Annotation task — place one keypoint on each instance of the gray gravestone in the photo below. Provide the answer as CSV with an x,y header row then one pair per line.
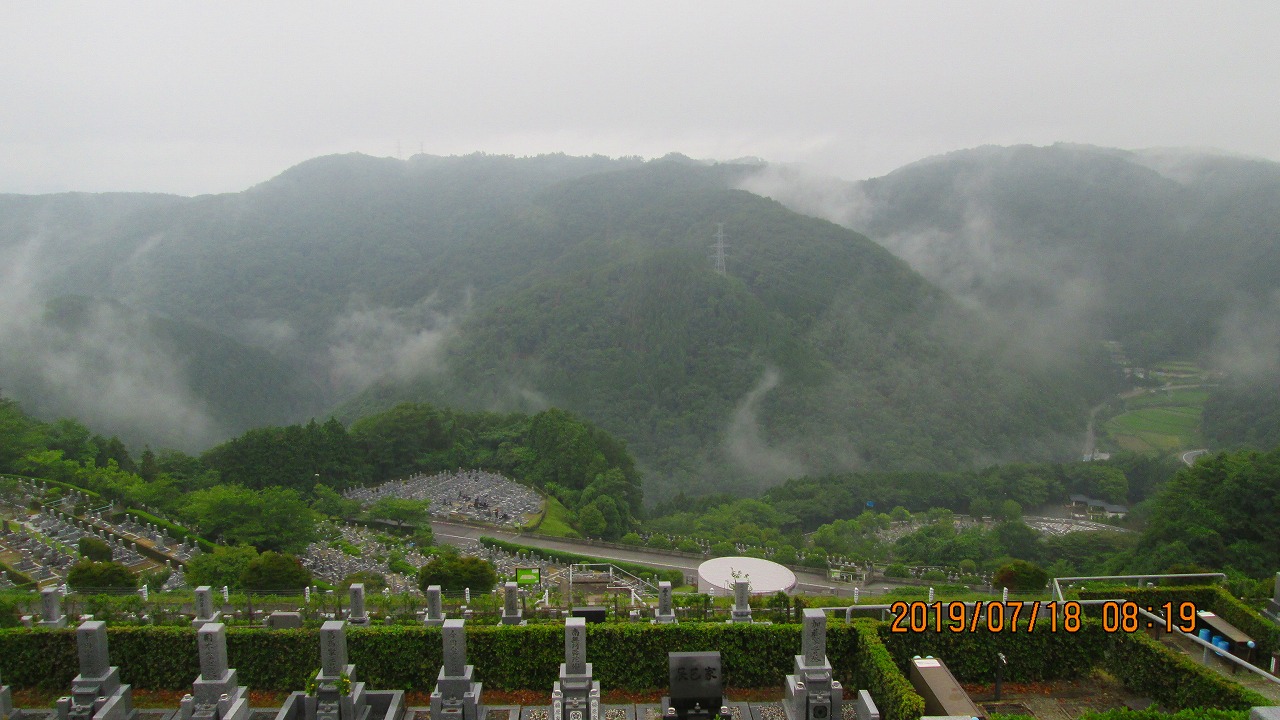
x,y
51,609
6,701
741,602
1272,610
511,612
280,620
357,615
205,613
664,613
333,648
212,641
435,610
456,695
218,694
575,645
866,708
696,684
575,696
455,647
814,640
811,693
91,641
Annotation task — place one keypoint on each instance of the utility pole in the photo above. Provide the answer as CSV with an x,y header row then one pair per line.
x,y
719,248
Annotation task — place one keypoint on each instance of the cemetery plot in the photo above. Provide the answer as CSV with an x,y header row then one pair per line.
x,y
473,494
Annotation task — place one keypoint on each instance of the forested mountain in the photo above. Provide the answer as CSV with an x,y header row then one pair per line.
x,y
583,283
1166,251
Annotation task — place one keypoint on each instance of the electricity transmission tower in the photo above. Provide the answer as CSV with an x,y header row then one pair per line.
x,y
719,248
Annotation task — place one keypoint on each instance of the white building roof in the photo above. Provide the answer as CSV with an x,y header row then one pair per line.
x,y
716,576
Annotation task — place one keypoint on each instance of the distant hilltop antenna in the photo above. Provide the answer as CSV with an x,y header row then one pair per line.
x,y
719,248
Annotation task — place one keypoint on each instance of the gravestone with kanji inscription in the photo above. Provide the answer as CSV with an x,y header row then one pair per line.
x,y
575,696
205,614
696,689
811,693
664,614
335,693
96,693
217,693
435,608
457,694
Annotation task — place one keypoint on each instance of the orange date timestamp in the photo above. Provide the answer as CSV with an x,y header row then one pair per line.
x,y
998,616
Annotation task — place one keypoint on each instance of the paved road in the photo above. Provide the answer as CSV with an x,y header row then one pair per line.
x,y
454,534
1189,457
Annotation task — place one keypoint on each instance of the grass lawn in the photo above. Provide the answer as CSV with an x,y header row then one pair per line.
x,y
556,522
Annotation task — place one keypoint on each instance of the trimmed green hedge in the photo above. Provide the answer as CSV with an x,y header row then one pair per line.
x,y
1172,679
176,530
1196,714
1206,597
1033,656
878,674
626,656
20,580
675,577
864,654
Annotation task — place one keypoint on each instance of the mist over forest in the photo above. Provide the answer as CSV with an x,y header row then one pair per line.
x,y
947,316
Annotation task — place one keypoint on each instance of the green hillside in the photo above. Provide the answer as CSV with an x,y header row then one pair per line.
x,y
497,283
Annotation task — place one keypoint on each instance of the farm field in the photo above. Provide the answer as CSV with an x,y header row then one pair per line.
x,y
1160,421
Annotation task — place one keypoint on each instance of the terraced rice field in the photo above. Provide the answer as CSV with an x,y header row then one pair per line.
x,y
1159,422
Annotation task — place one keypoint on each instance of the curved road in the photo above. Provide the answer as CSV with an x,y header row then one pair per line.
x,y
454,534
1189,457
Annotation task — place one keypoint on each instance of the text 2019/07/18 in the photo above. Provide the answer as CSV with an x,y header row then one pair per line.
x,y
997,616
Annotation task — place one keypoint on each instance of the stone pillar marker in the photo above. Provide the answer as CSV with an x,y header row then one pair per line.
x,y
575,696
456,695
814,641
575,646
1272,611
91,642
205,613
511,612
741,602
51,609
455,648
212,642
218,694
333,648
810,692
435,611
664,614
6,702
96,692
357,614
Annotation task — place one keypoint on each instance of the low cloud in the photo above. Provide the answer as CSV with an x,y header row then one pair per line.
x,y
372,343
745,443
95,361
810,193
1248,342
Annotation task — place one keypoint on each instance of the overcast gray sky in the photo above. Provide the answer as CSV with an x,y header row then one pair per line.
x,y
214,97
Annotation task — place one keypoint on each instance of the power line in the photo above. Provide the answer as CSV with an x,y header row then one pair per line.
x,y
719,248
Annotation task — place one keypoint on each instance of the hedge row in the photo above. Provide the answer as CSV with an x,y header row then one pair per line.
x,y
675,577
175,530
877,673
625,656
864,655
20,580
1206,597
1172,679
1196,714
1033,656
